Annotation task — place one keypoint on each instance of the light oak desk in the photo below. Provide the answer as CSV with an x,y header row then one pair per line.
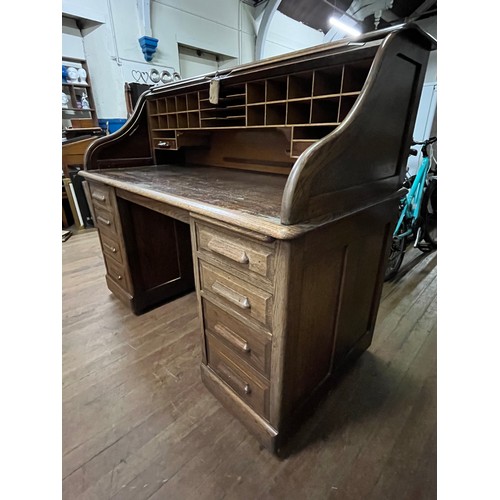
x,y
271,189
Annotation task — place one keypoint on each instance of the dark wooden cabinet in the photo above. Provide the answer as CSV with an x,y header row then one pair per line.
x,y
275,197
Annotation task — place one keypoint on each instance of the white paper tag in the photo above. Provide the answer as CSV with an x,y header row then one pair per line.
x,y
214,91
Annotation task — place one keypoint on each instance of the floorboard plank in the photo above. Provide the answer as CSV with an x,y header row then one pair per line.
x,y
139,424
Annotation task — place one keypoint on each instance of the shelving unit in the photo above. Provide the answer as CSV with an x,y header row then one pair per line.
x,y
310,103
79,117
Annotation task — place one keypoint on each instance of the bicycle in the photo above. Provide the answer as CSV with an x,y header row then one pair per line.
x,y
417,211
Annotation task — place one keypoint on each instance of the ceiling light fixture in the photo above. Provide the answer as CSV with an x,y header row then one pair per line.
x,y
344,27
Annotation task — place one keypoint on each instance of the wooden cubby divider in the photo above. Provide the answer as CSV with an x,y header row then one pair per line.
x,y
325,110
256,92
161,106
276,114
355,75
299,112
256,115
192,102
181,102
276,89
194,119
182,120
172,121
163,122
328,81
171,107
154,122
346,103
153,107
300,85
311,103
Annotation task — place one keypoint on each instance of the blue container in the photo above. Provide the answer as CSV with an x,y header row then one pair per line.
x,y
111,125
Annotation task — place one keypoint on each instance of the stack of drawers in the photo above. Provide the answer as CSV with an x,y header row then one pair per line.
x,y
236,281
107,221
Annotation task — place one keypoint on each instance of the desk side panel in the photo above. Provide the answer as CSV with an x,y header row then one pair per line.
x,y
334,293
363,160
129,146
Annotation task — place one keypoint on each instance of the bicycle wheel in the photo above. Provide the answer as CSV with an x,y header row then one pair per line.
x,y
429,214
398,247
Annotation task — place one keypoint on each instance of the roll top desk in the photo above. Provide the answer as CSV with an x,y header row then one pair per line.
x,y
272,190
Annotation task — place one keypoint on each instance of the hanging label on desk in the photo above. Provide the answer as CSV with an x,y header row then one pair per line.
x,y
214,91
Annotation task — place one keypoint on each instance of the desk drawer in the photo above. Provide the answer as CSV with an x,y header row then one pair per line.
x,y
102,196
236,251
117,273
105,221
111,248
236,294
252,388
251,346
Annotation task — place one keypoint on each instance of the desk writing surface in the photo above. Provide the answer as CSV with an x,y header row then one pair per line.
x,y
249,199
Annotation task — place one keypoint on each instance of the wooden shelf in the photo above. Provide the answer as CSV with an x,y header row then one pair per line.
x,y
77,109
68,84
224,117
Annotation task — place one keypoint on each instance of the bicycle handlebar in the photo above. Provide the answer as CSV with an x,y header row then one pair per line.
x,y
424,145
431,140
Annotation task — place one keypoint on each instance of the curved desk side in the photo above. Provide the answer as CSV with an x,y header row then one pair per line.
x,y
363,160
127,147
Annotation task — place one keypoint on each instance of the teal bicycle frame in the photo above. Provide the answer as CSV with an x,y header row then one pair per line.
x,y
412,201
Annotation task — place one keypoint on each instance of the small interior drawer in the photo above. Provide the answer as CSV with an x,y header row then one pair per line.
x,y
252,388
236,251
250,345
235,294
298,147
165,143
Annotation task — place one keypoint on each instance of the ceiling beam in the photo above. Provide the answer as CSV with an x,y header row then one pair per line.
x,y
267,17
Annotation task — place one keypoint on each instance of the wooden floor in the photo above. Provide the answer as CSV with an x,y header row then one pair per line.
x,y
138,423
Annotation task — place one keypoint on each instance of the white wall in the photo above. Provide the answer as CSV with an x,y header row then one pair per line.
x,y
72,41
114,56
223,27
286,35
427,109
93,10
430,26
220,26
105,73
